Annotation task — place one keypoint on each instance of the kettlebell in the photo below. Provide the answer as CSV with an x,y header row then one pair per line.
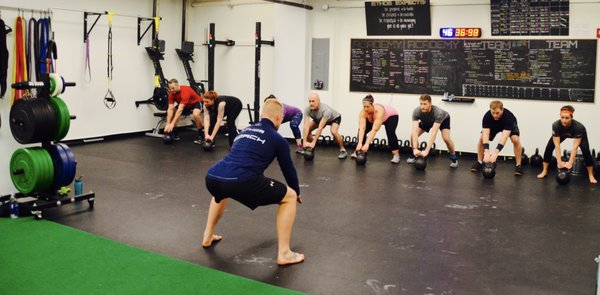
x,y
536,160
208,146
563,176
524,158
168,138
489,170
420,163
309,154
361,158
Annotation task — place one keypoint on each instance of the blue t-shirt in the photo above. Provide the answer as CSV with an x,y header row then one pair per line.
x,y
252,152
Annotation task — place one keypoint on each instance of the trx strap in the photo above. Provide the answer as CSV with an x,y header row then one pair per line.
x,y
3,58
157,82
19,66
109,98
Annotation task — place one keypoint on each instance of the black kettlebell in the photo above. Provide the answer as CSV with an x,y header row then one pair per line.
x,y
208,146
309,154
489,170
168,138
536,160
563,176
524,158
361,158
420,163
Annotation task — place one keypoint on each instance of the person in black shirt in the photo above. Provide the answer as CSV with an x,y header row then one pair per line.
x,y
239,176
498,120
562,129
215,109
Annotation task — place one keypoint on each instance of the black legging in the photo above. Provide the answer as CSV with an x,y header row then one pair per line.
x,y
232,110
390,129
584,146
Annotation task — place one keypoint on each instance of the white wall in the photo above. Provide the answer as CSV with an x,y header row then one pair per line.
x,y
345,20
133,75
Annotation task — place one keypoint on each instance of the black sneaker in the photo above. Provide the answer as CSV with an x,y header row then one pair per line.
x,y
477,167
518,170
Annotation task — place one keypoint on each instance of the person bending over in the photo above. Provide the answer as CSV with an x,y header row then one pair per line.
x,y
498,120
370,118
430,118
239,176
562,129
318,115
294,116
216,108
187,101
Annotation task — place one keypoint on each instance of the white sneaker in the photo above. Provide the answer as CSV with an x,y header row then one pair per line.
x,y
410,160
453,163
395,159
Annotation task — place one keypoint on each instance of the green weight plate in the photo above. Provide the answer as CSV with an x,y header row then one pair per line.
x,y
52,84
41,174
48,176
63,117
24,160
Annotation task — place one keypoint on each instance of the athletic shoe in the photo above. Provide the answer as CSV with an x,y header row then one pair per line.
x,y
353,156
395,159
199,141
299,150
477,167
411,160
453,163
518,170
343,154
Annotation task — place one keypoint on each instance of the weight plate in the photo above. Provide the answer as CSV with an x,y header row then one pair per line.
x,y
47,120
71,168
22,123
60,162
47,169
63,117
56,84
25,179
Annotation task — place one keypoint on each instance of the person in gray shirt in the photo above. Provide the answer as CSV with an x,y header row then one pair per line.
x,y
430,118
318,115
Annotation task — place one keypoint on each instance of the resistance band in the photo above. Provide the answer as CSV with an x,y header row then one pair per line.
x,y
19,65
156,25
31,53
109,99
3,57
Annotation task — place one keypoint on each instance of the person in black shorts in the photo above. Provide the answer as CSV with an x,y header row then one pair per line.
x,y
498,120
562,129
240,176
215,109
429,118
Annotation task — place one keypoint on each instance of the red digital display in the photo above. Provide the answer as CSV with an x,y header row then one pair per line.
x,y
460,32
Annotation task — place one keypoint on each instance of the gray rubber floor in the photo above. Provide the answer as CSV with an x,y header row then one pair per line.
x,y
375,229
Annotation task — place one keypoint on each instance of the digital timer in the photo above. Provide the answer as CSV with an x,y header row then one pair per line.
x,y
460,32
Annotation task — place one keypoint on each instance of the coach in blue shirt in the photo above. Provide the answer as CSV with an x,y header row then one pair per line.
x,y
240,176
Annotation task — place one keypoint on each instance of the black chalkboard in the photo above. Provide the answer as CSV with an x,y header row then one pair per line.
x,y
530,18
562,70
402,18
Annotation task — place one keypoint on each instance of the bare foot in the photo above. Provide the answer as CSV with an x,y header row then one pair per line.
x,y
207,242
290,258
541,175
593,180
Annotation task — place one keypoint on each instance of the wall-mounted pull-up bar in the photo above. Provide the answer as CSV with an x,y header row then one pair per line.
x,y
86,33
153,24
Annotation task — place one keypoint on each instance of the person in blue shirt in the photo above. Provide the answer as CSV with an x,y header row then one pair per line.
x,y
239,176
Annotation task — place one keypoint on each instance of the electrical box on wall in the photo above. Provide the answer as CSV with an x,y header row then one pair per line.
x,y
320,64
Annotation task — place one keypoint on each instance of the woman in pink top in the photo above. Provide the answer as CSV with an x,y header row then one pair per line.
x,y
371,117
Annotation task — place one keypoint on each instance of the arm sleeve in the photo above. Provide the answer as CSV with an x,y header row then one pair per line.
x,y
486,122
287,166
556,128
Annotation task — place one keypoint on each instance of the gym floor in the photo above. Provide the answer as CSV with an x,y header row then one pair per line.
x,y
374,229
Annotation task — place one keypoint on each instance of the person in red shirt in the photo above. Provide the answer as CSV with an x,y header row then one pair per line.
x,y
187,101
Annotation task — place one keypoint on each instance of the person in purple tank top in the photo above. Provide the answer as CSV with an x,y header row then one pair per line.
x,y
293,115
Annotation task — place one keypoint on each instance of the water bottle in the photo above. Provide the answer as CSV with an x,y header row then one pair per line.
x,y
14,207
78,186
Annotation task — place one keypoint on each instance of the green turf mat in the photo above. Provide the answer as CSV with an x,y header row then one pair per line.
x,y
42,257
